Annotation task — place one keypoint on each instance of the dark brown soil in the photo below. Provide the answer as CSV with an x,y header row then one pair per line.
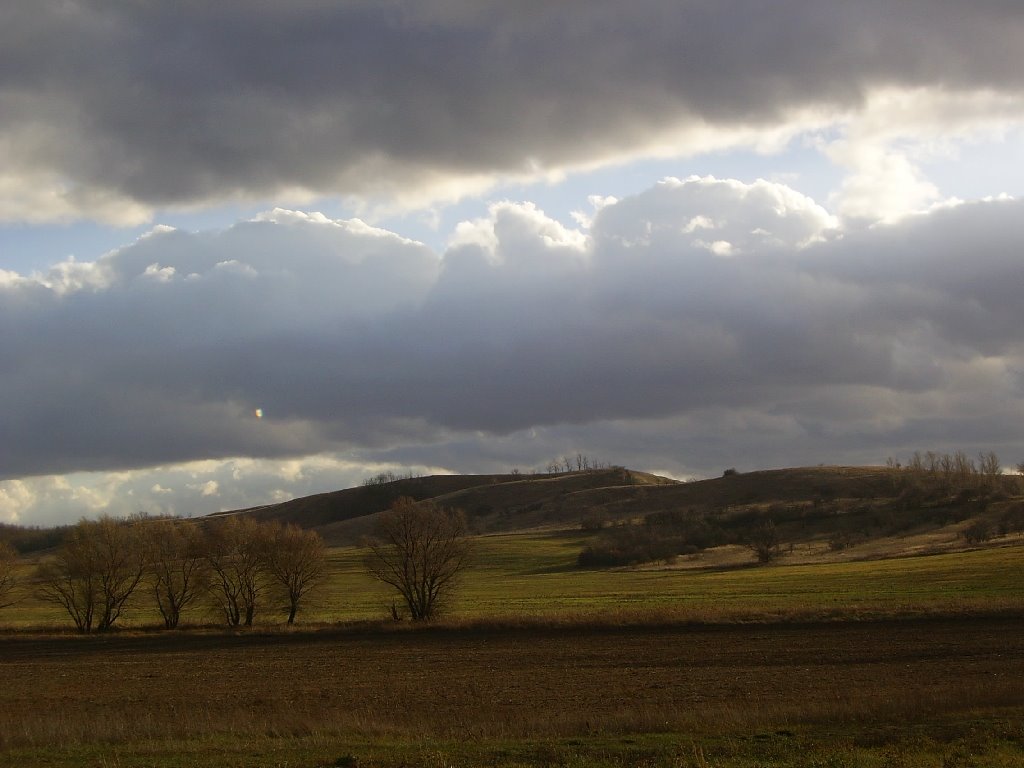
x,y
514,682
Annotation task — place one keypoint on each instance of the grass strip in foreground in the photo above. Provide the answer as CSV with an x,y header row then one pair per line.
x,y
992,741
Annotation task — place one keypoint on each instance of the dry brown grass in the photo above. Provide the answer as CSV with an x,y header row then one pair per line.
x,y
500,682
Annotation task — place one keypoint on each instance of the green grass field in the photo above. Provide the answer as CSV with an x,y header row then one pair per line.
x,y
574,657
533,575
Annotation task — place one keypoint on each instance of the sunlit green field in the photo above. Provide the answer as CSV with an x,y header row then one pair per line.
x,y
377,696
534,575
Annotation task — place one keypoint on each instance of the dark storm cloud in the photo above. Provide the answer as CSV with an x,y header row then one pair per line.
x,y
702,313
177,338
178,102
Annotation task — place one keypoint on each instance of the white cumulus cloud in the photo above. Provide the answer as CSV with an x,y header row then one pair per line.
x,y
522,341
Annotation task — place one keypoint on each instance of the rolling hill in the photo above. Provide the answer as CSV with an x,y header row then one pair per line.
x,y
834,509
491,502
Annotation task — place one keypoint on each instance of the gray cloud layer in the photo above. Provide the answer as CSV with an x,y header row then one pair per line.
x,y
704,318
171,103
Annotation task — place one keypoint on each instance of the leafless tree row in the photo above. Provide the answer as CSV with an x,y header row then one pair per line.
x,y
233,562
957,464
578,463
236,565
955,468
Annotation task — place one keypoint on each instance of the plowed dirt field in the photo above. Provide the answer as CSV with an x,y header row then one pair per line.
x,y
504,682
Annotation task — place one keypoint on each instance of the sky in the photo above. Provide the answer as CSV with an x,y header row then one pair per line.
x,y
251,251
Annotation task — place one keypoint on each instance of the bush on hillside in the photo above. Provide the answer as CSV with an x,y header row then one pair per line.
x,y
632,545
32,539
977,532
764,542
1012,520
687,526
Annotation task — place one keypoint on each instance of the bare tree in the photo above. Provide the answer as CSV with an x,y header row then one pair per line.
x,y
235,552
176,566
945,465
420,550
917,463
988,464
764,542
95,571
964,468
8,561
296,561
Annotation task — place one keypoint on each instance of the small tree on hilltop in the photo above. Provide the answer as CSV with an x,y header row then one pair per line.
x,y
420,549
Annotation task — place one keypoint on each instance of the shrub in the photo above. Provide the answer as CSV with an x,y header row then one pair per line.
x,y
629,545
840,541
662,536
764,542
592,521
687,527
1012,520
977,532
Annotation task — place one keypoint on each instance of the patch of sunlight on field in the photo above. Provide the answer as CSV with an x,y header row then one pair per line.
x,y
534,574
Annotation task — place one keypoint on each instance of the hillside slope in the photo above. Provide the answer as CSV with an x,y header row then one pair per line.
x,y
833,506
323,509
491,502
